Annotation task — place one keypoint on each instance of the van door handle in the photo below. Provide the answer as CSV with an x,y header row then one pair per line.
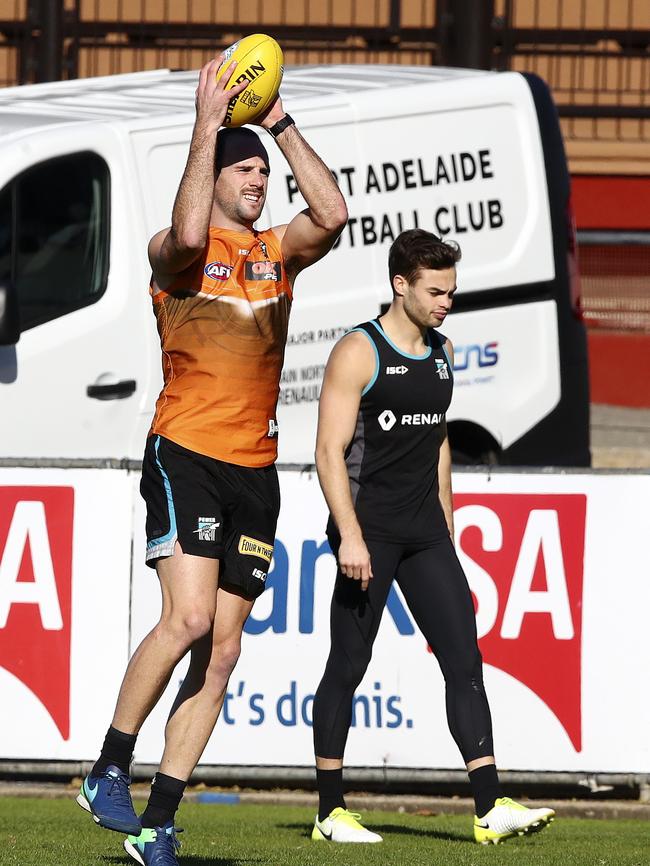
x,y
114,391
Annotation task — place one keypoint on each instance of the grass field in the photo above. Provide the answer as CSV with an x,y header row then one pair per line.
x,y
39,832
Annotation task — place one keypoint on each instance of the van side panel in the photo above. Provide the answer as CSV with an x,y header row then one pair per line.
x,y
561,438
463,159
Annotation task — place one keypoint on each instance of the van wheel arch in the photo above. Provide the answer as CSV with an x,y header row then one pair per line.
x,y
472,445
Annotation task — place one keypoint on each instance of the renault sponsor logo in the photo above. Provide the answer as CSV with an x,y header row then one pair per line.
x,y
422,419
387,419
252,547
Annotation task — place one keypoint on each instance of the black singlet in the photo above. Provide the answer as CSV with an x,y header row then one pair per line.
x,y
392,460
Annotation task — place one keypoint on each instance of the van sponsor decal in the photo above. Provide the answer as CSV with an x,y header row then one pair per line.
x,y
456,214
475,358
36,593
320,335
416,173
301,384
478,355
217,271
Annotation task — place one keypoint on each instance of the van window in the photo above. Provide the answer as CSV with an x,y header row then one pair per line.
x,y
55,250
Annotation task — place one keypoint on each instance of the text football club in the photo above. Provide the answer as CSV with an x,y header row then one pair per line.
x,y
456,215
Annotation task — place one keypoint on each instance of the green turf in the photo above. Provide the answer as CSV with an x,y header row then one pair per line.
x,y
36,832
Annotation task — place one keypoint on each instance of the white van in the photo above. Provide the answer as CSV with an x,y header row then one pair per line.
x,y
88,172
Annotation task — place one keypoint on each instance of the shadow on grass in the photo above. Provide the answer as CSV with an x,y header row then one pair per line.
x,y
395,830
189,861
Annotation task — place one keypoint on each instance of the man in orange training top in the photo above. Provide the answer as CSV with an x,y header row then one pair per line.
x,y
221,294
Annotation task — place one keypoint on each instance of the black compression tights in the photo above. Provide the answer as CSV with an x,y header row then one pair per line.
x,y
437,594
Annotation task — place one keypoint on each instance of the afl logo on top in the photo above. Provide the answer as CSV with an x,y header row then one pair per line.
x,y
217,271
36,592
523,555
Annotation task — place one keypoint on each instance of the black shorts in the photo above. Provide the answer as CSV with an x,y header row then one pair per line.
x,y
212,509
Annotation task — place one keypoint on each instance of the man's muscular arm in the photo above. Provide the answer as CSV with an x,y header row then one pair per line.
x,y
174,249
312,232
349,369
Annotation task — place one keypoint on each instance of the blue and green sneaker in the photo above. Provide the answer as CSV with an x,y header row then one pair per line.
x,y
108,800
155,846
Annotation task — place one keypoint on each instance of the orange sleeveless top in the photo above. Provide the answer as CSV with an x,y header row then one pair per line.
x,y
223,329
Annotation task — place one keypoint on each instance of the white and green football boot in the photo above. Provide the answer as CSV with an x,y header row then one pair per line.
x,y
507,819
341,825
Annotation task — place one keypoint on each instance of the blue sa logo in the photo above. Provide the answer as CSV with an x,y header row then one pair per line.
x,y
217,271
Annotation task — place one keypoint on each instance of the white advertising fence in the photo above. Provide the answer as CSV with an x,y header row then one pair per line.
x,y
559,566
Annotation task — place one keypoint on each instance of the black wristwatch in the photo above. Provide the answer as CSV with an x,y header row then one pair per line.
x,y
281,125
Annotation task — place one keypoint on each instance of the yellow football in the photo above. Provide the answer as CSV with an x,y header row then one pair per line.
x,y
259,60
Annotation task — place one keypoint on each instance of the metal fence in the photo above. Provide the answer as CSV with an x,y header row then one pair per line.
x,y
615,278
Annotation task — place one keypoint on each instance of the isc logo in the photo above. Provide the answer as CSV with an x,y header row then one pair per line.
x,y
396,371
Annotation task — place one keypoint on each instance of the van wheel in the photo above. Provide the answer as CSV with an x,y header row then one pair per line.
x,y
471,445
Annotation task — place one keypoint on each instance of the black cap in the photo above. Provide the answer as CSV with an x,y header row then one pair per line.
x,y
236,145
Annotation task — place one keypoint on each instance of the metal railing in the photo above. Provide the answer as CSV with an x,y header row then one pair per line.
x,y
615,278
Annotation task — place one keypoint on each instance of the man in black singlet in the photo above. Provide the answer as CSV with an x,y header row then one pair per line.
x,y
384,465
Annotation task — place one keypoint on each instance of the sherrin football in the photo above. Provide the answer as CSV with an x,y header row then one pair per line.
x,y
259,60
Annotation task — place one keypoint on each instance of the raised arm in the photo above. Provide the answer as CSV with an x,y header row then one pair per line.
x,y
312,232
350,367
174,249
444,468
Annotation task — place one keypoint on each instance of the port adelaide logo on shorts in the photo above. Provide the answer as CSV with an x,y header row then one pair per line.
x,y
207,528
217,271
